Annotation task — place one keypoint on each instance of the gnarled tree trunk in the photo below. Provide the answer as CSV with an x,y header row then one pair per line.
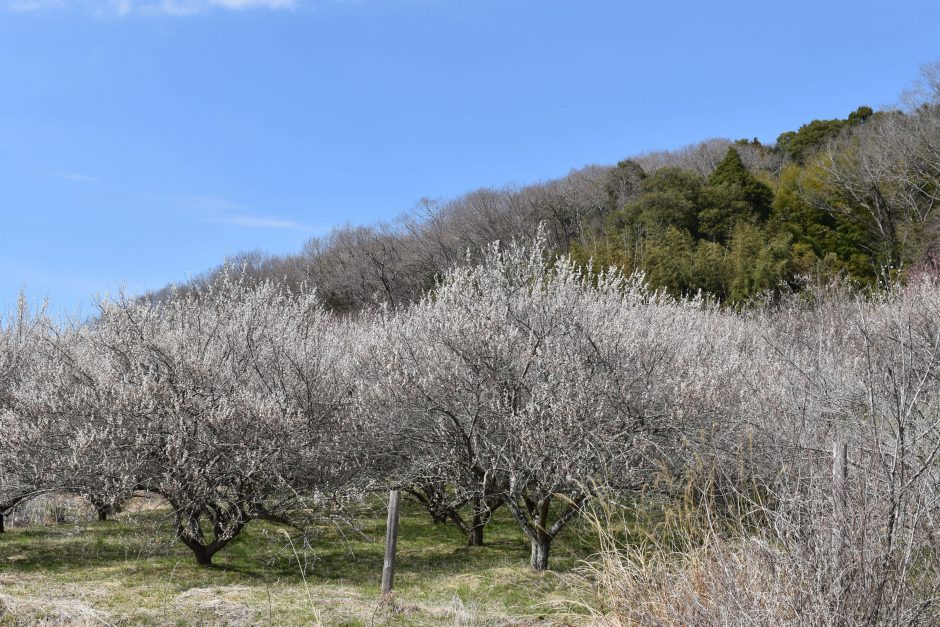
x,y
225,528
483,509
475,537
538,558
532,515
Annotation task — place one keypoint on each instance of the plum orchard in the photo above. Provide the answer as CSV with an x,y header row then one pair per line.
x,y
520,382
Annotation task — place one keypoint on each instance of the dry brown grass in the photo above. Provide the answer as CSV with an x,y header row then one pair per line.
x,y
698,568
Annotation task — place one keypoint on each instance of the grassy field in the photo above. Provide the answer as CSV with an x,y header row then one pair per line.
x,y
132,571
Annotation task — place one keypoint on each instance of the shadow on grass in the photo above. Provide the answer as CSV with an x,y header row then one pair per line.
x,y
142,545
137,558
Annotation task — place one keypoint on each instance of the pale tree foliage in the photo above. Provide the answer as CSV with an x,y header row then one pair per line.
x,y
870,379
863,372
709,401
24,447
81,450
229,401
521,382
782,532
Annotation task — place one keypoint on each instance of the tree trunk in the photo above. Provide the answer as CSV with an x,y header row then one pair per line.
x,y
538,560
203,557
202,552
533,518
475,537
1,523
189,531
103,514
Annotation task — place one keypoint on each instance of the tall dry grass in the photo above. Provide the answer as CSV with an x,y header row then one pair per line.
x,y
701,566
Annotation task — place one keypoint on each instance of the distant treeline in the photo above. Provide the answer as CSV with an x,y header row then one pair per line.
x,y
853,197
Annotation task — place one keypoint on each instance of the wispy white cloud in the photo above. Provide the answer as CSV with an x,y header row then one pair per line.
x,y
192,7
250,4
264,222
208,203
219,210
147,7
30,6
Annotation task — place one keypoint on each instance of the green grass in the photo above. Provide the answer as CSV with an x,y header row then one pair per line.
x,y
132,571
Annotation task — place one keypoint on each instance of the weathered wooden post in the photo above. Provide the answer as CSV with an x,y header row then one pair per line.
x,y
391,542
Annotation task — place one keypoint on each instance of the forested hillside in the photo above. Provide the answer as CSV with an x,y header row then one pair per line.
x,y
853,197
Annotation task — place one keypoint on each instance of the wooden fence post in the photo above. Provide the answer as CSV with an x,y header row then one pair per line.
x,y
391,542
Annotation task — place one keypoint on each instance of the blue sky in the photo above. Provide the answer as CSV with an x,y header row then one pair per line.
x,y
143,141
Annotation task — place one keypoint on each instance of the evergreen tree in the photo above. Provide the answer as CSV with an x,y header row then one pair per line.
x,y
732,195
